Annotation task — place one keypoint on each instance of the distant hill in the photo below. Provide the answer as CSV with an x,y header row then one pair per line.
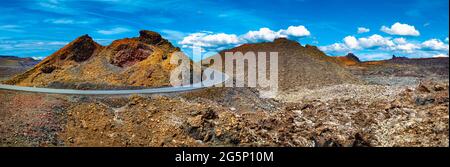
x,y
14,61
300,66
142,61
12,65
398,66
348,60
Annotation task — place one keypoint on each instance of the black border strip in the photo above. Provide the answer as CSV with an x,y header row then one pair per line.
x,y
281,156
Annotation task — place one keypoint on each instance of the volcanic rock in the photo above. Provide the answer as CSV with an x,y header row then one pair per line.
x,y
80,49
398,58
149,37
349,60
351,56
48,69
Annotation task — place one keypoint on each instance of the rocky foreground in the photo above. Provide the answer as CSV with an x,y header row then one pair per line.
x,y
358,115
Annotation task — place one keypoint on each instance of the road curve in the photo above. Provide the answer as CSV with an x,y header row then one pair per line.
x,y
200,85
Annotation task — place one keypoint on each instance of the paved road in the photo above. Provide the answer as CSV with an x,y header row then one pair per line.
x,y
207,83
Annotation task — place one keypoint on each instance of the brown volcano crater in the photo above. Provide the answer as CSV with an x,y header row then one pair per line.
x,y
127,54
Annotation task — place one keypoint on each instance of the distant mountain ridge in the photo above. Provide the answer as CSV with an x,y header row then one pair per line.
x,y
15,61
12,65
397,66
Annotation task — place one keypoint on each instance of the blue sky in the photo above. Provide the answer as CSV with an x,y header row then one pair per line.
x,y
370,29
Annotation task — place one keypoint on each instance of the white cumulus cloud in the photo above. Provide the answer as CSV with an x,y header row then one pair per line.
x,y
400,40
38,57
435,44
363,30
216,41
351,42
296,31
401,29
407,47
335,48
441,55
265,34
375,41
375,45
206,39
